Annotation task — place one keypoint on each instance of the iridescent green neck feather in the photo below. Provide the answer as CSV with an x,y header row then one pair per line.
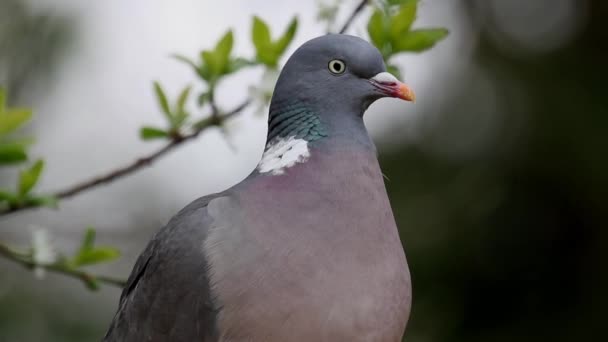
x,y
294,119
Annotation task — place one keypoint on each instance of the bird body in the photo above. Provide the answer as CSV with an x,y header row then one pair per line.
x,y
331,272
305,248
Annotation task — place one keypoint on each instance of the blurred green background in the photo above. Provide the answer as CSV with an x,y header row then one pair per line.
x,y
500,197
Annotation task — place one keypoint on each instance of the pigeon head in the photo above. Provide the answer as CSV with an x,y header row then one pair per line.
x,y
327,82
340,71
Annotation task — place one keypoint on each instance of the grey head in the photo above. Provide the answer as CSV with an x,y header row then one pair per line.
x,y
326,86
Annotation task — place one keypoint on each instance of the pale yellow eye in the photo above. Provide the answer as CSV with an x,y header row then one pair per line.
x,y
337,66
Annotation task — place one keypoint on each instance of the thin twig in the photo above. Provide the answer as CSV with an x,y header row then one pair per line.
x,y
146,161
214,120
88,278
120,172
215,112
353,15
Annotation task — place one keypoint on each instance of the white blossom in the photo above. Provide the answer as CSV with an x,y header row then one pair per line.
x,y
43,252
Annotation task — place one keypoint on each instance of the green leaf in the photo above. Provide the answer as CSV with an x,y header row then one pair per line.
x,y
281,45
183,97
89,254
419,40
185,60
180,112
216,63
91,283
212,64
267,57
162,100
25,142
41,201
11,119
260,34
179,120
224,46
7,196
88,241
28,178
149,133
402,21
265,51
200,70
376,29
12,153
95,256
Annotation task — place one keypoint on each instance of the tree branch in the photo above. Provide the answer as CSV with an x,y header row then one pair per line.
x,y
214,120
353,15
88,278
120,172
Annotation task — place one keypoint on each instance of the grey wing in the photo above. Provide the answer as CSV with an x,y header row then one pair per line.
x,y
167,296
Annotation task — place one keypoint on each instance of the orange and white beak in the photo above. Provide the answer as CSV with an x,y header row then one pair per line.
x,y
390,86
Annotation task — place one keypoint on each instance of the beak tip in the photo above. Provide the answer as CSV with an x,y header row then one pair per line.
x,y
406,93
392,87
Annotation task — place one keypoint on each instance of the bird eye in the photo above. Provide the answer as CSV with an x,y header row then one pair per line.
x,y
337,66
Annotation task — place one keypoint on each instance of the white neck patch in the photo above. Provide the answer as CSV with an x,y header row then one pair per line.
x,y
283,153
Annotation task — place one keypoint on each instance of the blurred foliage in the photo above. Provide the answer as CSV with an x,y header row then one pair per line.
x,y
42,256
217,62
30,44
390,30
213,66
268,52
14,151
176,116
89,254
509,243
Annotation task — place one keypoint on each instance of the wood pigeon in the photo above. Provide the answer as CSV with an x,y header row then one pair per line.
x,y
306,247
